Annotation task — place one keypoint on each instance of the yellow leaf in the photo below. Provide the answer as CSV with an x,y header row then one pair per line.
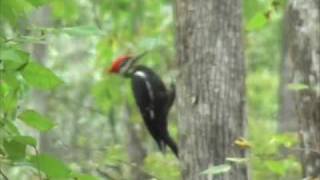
x,y
242,143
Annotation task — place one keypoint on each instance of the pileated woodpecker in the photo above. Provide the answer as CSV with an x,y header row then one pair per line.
x,y
152,97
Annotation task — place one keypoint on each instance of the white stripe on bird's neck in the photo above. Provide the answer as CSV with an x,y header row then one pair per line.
x,y
140,74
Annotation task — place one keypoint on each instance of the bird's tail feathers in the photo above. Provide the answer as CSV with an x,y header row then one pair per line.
x,y
173,146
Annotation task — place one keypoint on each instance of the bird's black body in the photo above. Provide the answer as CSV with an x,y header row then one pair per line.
x,y
154,102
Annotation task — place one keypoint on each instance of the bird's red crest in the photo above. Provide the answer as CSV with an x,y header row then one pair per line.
x,y
116,65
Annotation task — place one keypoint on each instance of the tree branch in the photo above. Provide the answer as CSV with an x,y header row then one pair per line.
x,y
5,177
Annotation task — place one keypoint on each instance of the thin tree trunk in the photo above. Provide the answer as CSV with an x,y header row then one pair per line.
x,y
41,18
210,86
136,152
303,50
288,121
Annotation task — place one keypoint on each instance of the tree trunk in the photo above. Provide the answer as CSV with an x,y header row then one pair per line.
x,y
303,50
136,152
288,121
210,86
41,18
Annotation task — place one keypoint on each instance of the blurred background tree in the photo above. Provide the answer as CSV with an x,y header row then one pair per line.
x,y
52,60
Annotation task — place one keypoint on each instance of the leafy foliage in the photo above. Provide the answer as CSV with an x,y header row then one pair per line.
x,y
40,77
263,52
36,120
86,107
158,163
18,74
51,166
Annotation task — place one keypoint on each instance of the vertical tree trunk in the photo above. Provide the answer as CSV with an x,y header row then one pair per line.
x,y
41,18
210,85
136,152
288,121
303,50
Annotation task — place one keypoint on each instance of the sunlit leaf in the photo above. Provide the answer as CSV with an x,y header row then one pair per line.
x,y
13,59
297,86
15,149
11,79
236,159
4,88
26,140
66,10
9,102
40,77
287,140
9,89
242,143
219,169
278,167
157,163
115,154
257,22
11,128
51,166
11,11
37,2
85,177
35,120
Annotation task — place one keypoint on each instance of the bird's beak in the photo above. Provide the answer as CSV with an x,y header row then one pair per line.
x,y
135,59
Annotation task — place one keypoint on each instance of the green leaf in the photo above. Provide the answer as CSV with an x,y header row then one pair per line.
x,y
2,151
84,177
277,167
14,149
11,79
13,59
51,166
26,140
37,3
236,159
297,86
8,103
11,11
219,169
35,120
40,77
11,128
67,11
4,88
157,163
285,139
257,22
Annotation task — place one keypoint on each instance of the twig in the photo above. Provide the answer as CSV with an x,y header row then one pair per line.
x,y
264,156
38,163
304,149
5,177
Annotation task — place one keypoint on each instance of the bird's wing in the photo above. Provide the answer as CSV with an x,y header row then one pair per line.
x,y
144,96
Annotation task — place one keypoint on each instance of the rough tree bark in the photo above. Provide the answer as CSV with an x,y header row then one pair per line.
x,y
303,50
288,121
210,85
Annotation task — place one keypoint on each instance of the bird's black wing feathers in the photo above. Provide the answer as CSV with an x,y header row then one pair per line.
x,y
143,97
149,91
154,102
